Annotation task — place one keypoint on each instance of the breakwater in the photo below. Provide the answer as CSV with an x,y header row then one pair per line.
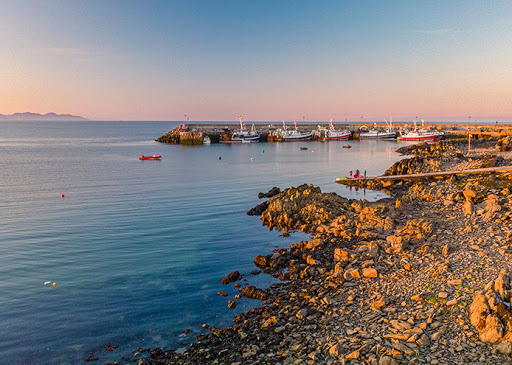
x,y
193,133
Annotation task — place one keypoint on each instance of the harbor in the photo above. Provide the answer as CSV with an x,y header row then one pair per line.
x,y
195,133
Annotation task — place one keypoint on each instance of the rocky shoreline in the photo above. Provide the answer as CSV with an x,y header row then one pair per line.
x,y
420,277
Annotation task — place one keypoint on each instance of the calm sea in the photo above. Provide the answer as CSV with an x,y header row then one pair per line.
x,y
137,249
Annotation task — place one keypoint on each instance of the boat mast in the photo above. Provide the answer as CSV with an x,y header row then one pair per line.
x,y
241,119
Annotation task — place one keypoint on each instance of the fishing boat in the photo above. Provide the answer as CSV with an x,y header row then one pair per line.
x,y
207,140
332,134
378,133
154,157
245,136
293,135
225,135
420,134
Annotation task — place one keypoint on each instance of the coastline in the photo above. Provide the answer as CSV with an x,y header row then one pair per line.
x,y
386,282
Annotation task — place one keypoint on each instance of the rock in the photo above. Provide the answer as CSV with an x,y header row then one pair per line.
x,y
378,304
387,360
396,243
442,295
252,292
423,341
230,278
301,314
336,350
232,304
469,193
451,302
269,194
341,254
258,209
351,274
222,294
467,208
262,261
446,249
490,206
353,355
370,273
490,312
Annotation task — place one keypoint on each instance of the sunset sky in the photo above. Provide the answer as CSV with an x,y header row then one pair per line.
x,y
266,60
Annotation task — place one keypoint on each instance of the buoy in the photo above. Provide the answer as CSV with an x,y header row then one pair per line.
x,y
229,163
220,158
252,159
263,151
54,284
62,195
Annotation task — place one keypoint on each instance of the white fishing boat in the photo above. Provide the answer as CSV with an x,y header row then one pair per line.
x,y
293,135
245,136
419,134
207,140
378,133
332,134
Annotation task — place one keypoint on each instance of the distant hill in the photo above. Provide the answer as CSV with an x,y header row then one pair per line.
x,y
27,117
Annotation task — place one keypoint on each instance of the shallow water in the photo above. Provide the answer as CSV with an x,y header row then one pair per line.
x,y
137,249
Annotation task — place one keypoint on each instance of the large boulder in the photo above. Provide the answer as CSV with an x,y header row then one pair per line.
x,y
304,208
491,315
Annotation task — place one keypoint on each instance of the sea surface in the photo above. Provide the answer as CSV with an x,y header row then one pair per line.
x,y
137,249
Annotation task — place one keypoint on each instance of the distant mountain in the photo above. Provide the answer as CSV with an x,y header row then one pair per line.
x,y
27,117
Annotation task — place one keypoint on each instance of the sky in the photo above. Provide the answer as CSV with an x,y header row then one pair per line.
x,y
267,60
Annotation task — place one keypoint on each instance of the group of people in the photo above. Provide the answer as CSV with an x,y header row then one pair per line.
x,y
357,175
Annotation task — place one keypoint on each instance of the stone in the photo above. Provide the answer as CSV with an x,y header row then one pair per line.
x,y
451,302
336,350
469,193
423,341
442,295
351,274
230,278
353,355
370,273
252,292
397,243
387,360
341,254
467,208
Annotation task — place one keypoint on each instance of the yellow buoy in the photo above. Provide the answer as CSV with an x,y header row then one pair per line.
x,y
54,284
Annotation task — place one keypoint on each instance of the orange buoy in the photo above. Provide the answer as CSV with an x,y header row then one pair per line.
x,y
62,195
54,284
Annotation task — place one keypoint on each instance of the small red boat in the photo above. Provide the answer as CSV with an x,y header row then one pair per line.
x,y
154,157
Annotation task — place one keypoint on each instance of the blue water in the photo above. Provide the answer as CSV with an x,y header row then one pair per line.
x,y
137,249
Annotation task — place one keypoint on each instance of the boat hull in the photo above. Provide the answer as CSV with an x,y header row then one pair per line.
x,y
143,158
391,135
297,139
336,138
252,139
418,138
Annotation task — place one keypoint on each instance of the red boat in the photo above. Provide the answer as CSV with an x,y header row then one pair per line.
x,y
142,157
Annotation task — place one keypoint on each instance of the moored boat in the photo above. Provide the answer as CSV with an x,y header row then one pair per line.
x,y
332,134
154,157
378,133
293,135
245,136
420,134
207,140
